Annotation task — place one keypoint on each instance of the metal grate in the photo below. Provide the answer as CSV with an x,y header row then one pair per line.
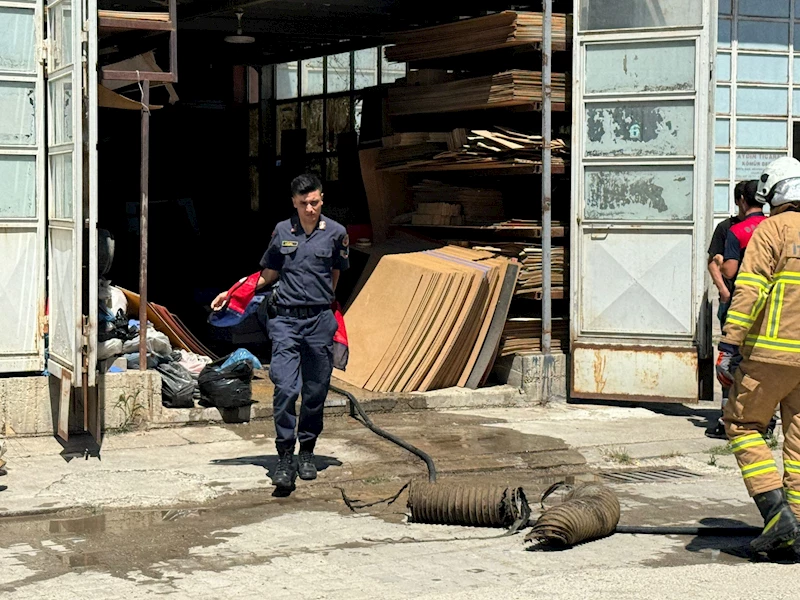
x,y
646,475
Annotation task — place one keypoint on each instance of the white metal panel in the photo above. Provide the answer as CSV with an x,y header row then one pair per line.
x,y
22,168
91,100
65,184
637,284
635,373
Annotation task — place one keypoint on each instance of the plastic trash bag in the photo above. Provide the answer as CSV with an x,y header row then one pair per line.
x,y
177,386
228,387
242,354
109,348
157,343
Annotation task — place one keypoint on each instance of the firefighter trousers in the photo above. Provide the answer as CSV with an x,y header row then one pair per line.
x,y
758,389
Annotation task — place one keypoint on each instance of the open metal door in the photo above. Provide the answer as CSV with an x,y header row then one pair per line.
x,y
67,185
22,193
642,204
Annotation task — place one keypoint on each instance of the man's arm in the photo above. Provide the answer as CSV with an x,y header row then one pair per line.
x,y
729,268
268,277
716,277
753,284
335,277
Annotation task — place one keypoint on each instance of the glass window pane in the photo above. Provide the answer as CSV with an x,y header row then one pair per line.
x,y
17,186
61,110
796,67
723,67
339,73
722,133
286,121
797,34
635,14
750,165
722,163
761,101
366,68
391,71
640,129
312,123
722,100
796,103
60,175
724,7
763,35
60,34
338,116
759,8
761,134
311,71
639,193
722,198
17,40
286,81
640,67
762,68
724,33
17,114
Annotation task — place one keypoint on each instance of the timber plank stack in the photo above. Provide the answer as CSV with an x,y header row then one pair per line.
x,y
506,29
469,148
525,335
423,320
478,206
510,88
529,256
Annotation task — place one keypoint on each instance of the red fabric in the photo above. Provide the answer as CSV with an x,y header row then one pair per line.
x,y
743,230
341,333
242,292
341,351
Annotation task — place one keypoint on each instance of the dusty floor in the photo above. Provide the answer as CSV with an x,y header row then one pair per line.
x,y
190,513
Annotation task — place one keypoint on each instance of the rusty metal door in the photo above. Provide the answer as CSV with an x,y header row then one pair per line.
x,y
641,189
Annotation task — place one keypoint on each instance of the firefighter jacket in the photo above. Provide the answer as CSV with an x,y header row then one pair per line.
x,y
764,317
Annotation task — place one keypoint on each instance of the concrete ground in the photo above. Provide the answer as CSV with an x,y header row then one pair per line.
x,y
191,513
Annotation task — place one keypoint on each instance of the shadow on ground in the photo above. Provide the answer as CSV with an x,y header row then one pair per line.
x,y
700,415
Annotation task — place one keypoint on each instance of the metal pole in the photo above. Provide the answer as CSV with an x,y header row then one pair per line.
x,y
144,184
547,55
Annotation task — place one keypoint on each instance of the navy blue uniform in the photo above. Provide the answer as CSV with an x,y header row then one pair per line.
x,y
302,332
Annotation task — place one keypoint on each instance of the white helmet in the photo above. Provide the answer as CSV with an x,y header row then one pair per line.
x,y
780,182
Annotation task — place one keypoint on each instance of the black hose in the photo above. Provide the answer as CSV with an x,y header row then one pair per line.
x,y
355,407
697,531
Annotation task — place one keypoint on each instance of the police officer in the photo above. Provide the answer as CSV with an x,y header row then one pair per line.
x,y
307,253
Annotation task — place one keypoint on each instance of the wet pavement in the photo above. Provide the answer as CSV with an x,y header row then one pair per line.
x,y
204,521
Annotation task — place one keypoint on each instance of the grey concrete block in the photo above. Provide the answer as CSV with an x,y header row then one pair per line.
x,y
539,378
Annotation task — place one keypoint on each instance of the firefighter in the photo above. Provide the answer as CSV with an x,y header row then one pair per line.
x,y
763,321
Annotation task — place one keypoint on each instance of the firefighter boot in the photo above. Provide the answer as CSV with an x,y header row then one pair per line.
x,y
284,472
306,469
780,525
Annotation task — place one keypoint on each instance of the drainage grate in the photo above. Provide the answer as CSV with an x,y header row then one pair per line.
x,y
646,475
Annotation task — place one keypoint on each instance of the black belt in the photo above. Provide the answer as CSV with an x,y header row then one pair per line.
x,y
301,312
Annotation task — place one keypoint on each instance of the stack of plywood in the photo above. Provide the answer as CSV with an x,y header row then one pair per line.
x,y
529,257
467,148
510,88
478,206
437,213
525,335
506,29
428,320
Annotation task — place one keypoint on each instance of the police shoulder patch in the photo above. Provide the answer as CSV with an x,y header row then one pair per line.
x,y
288,243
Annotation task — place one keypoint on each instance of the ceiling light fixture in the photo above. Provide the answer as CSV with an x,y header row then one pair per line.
x,y
239,38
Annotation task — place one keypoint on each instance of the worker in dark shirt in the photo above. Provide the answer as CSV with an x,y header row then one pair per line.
x,y
716,252
307,253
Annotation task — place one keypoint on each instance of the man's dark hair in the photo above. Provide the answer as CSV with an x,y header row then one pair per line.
x,y
747,190
305,184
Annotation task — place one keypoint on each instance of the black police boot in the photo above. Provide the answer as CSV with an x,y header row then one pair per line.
x,y
306,469
284,472
780,525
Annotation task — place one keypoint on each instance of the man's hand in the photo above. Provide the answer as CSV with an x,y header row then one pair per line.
x,y
220,301
726,364
724,296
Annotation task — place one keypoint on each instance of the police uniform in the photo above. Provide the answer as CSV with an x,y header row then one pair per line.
x,y
302,330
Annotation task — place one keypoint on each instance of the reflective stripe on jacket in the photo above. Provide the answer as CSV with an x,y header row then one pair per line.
x,y
764,317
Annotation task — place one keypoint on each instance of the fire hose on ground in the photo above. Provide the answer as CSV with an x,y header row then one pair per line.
x,y
590,511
